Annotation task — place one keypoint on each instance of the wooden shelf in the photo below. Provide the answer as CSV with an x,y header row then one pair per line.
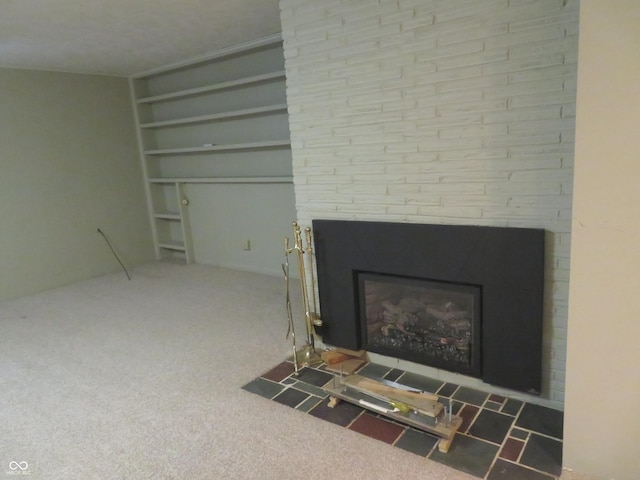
x,y
222,148
245,180
218,116
168,216
280,74
179,247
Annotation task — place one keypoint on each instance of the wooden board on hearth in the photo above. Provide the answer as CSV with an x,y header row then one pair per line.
x,y
346,367
344,361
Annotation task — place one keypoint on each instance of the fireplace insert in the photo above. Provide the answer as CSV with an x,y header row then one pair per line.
x,y
468,299
434,323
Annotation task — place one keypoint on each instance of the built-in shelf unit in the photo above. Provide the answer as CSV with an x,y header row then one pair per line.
x,y
217,119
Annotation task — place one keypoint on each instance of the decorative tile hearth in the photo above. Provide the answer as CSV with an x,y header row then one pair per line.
x,y
500,438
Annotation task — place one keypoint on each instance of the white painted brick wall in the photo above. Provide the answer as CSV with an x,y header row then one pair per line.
x,y
440,111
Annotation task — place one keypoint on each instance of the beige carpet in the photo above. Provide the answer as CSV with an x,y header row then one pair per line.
x,y
141,379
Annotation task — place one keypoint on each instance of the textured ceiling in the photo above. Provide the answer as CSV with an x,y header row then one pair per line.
x,y
124,37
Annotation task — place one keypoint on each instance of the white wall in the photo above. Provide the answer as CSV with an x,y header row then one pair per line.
x,y
68,165
602,428
455,112
225,217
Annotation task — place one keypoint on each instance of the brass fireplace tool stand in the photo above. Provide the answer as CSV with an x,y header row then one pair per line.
x,y
307,355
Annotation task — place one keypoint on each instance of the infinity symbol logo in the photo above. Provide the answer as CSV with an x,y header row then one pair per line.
x,y
18,465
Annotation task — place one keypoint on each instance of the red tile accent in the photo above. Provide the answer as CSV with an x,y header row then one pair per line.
x,y
511,449
279,372
497,398
376,427
468,413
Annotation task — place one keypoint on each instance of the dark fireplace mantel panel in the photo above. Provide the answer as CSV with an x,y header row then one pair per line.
x,y
506,263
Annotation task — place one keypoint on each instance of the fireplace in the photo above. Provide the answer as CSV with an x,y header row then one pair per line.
x,y
467,299
434,323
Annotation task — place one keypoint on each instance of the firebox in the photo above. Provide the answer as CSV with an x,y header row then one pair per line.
x,y
428,322
468,299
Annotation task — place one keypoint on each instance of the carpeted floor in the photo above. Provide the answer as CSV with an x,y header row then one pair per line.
x,y
113,379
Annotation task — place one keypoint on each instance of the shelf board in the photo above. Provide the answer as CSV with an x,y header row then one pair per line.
x,y
282,179
222,148
179,247
218,116
232,50
214,87
167,216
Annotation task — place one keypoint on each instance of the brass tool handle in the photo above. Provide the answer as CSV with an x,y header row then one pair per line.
x,y
297,232
317,321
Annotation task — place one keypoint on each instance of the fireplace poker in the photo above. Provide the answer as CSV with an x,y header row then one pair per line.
x,y
290,329
303,280
316,320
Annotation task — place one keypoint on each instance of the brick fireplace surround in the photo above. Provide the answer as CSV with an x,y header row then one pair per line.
x,y
451,112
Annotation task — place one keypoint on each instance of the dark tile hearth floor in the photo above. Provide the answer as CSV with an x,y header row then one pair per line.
x,y
500,438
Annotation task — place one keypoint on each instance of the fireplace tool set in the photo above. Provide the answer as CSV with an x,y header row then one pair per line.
x,y
307,354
